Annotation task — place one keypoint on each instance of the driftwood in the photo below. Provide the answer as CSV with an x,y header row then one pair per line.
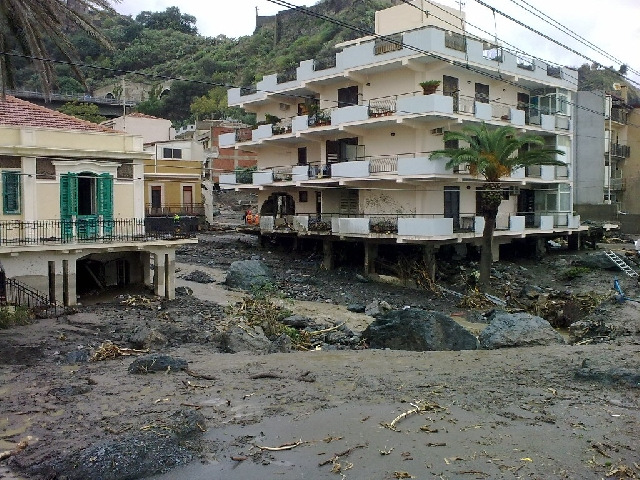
x,y
286,446
417,408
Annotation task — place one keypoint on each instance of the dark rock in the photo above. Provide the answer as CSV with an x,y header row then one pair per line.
x,y
187,423
157,362
376,308
251,339
198,277
596,261
356,307
418,330
76,356
517,330
127,457
248,274
145,337
69,390
362,278
298,321
531,291
282,344
184,291
609,375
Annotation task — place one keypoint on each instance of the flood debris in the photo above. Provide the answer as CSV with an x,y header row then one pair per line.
x,y
109,351
418,407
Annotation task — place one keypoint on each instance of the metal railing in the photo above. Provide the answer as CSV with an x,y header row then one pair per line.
x,y
382,106
171,209
492,52
243,134
455,41
282,174
21,295
619,115
555,72
617,183
283,126
288,75
82,230
320,118
390,43
383,164
620,151
319,170
324,63
525,62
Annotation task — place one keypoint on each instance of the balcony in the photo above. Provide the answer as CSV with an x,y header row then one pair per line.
x,y
617,184
455,41
492,52
619,151
85,230
525,62
324,63
555,72
171,209
288,75
390,43
381,107
620,115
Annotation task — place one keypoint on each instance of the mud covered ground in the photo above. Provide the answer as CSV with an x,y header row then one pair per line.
x,y
562,411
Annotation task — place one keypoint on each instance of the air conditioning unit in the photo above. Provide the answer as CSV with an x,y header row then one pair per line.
x,y
284,107
437,131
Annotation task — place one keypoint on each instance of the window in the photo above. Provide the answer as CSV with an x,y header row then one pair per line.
x,y
482,93
303,196
452,144
171,153
10,192
347,96
302,155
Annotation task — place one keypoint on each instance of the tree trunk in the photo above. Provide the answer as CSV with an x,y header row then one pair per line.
x,y
490,197
486,253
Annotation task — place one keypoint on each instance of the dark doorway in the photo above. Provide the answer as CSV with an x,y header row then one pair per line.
x,y
452,205
86,194
526,207
278,204
302,155
347,96
482,93
450,88
344,150
523,104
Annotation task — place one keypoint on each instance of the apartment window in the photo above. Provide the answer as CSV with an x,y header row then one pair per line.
x,y
10,192
347,96
171,153
482,93
452,144
302,155
303,196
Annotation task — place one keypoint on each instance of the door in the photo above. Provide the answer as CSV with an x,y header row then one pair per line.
x,y
319,205
349,202
482,93
187,198
347,96
450,89
452,205
156,200
526,207
302,155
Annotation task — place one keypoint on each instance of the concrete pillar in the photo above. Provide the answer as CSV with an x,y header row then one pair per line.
x,y
541,247
29,204
52,281
495,251
370,255
327,250
159,275
65,283
145,261
429,258
170,274
574,241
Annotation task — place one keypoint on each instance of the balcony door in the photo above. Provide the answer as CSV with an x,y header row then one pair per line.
x,y
156,199
452,205
347,96
527,206
187,198
523,104
450,88
344,150
86,197
349,202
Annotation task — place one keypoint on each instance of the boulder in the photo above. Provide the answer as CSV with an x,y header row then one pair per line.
x,y
607,375
282,344
517,330
145,337
377,307
184,291
418,330
157,362
356,307
595,261
248,274
298,321
247,339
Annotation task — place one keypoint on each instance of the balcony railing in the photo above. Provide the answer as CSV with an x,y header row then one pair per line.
x,y
620,151
324,63
390,43
282,127
171,209
455,41
617,183
555,72
320,170
525,62
282,174
287,76
243,135
320,118
619,115
492,52
382,106
249,90
383,164
84,230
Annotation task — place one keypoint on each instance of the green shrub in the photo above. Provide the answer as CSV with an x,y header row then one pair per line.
x,y
12,316
574,272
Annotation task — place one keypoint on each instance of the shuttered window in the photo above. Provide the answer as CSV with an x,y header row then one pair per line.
x,y
11,192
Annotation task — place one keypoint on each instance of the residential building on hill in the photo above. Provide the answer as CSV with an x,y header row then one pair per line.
x,y
73,208
343,146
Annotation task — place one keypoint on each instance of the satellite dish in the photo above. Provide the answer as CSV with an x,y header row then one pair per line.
x,y
617,86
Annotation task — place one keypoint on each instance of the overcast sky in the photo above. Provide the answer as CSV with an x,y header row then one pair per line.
x,y
613,26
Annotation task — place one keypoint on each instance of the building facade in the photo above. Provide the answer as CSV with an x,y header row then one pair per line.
x,y
73,207
343,146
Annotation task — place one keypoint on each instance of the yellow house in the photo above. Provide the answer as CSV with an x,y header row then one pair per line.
x,y
72,217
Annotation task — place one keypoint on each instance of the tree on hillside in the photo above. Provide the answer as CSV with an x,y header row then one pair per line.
x,y
494,154
213,105
26,25
170,19
84,111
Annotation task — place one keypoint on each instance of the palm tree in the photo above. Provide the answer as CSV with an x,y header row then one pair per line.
x,y
494,154
26,26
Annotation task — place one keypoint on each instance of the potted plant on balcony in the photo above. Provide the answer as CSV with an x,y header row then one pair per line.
x,y
430,86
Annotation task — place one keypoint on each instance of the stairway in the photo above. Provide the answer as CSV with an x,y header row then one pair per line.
x,y
621,263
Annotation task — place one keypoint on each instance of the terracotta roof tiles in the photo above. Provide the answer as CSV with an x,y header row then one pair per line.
x,y
17,112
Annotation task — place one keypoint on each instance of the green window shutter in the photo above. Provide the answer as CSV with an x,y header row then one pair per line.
x,y
10,192
68,195
105,195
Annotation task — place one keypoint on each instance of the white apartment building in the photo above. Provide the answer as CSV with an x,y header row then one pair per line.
x,y
343,149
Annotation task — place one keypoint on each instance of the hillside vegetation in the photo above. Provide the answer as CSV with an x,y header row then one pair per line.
x,y
157,45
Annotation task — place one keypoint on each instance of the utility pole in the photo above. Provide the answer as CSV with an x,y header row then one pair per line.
x,y
610,100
